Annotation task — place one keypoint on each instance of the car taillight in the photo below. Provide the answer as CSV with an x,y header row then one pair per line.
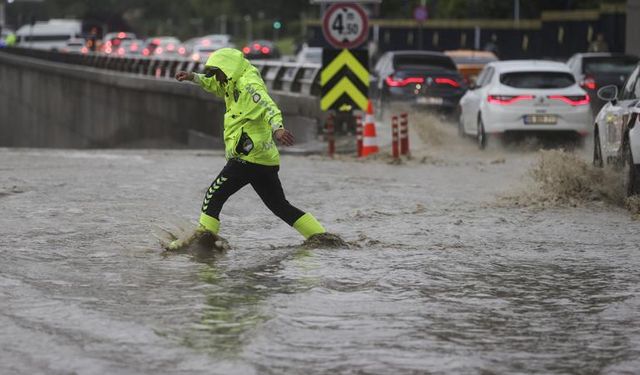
x,y
392,82
134,48
158,51
121,51
508,99
108,50
447,81
257,46
195,57
170,47
84,50
146,52
121,35
572,100
265,50
589,83
182,50
246,50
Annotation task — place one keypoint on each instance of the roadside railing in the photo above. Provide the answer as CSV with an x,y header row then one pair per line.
x,y
293,78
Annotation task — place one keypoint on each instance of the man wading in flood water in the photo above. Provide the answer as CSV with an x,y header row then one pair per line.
x,y
251,123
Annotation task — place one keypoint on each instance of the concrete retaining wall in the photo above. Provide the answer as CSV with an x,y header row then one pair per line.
x,y
46,104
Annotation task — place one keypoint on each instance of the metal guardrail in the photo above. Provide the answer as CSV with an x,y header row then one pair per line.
x,y
291,78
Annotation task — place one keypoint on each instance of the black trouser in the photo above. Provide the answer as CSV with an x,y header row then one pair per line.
x,y
264,180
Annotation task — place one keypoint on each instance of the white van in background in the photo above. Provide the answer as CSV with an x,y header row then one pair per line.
x,y
49,35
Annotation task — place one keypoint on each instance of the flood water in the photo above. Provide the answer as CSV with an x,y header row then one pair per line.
x,y
440,279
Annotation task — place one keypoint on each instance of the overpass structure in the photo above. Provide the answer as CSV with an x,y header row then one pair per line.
x,y
52,99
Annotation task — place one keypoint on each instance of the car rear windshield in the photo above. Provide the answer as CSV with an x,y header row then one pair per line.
x,y
424,61
609,64
537,80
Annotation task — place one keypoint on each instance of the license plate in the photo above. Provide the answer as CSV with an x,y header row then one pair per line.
x,y
540,119
429,100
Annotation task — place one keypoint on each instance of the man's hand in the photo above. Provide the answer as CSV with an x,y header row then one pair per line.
x,y
184,76
284,137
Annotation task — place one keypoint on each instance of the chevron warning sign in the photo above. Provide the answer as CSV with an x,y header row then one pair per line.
x,y
344,79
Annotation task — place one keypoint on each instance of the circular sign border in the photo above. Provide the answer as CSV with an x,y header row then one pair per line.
x,y
336,43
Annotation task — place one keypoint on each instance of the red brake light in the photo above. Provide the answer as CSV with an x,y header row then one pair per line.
x,y
121,51
392,82
589,83
134,47
265,50
257,46
108,50
158,51
447,81
572,100
84,50
116,42
121,35
182,50
508,99
246,50
145,51
156,41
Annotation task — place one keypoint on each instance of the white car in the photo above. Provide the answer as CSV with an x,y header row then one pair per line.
x,y
48,35
309,55
524,97
617,130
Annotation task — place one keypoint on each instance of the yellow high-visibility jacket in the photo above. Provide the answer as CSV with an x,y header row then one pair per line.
x,y
251,115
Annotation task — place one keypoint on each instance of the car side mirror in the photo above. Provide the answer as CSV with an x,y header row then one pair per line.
x,y
608,93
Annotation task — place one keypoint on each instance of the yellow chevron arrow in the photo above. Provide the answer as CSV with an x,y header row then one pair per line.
x,y
344,58
345,86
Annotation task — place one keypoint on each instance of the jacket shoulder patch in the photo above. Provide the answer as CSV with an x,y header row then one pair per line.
x,y
256,98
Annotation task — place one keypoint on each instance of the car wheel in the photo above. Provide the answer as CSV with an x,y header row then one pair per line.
x,y
482,135
597,151
631,172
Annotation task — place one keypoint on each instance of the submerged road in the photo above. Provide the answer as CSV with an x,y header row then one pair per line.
x,y
441,279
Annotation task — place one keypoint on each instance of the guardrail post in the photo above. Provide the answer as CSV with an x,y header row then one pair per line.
x,y
394,138
330,129
359,140
404,134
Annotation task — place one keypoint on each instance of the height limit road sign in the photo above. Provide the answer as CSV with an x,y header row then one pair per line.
x,y
345,25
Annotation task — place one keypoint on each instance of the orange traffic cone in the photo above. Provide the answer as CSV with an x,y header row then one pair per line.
x,y
369,141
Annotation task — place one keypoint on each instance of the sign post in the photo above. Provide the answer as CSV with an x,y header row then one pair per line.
x,y
345,68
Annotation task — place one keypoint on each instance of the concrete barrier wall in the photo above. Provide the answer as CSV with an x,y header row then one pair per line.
x,y
46,104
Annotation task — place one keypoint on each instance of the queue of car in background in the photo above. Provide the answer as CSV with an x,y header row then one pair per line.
x,y
199,49
425,79
164,46
598,69
111,41
76,45
261,50
525,98
617,130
